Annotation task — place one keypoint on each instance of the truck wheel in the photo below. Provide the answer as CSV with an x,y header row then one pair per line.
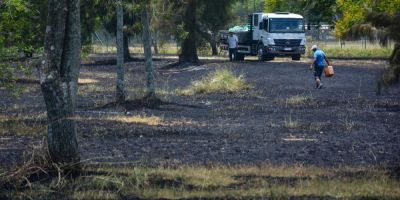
x,y
239,57
261,55
269,57
296,57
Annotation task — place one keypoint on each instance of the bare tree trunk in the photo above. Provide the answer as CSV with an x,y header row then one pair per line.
x,y
214,48
127,54
150,93
391,75
210,39
120,90
189,49
155,44
59,76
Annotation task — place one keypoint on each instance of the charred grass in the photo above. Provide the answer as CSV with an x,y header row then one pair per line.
x,y
210,109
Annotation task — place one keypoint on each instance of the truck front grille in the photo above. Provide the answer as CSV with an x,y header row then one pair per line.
x,y
287,42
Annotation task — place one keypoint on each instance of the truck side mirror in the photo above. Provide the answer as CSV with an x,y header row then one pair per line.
x,y
261,25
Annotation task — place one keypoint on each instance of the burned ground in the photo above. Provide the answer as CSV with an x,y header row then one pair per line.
x,y
282,119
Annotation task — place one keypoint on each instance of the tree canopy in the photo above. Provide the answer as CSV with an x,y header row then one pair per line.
x,y
314,11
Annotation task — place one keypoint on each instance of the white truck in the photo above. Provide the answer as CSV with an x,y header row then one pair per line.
x,y
270,35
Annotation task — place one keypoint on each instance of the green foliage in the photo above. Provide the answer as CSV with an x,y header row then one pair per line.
x,y
22,24
375,20
215,15
274,6
314,11
242,8
91,10
19,33
107,16
356,12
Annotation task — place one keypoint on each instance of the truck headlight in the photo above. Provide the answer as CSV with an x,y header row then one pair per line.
x,y
303,41
270,41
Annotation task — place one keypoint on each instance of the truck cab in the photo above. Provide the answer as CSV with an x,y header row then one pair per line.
x,y
269,35
279,34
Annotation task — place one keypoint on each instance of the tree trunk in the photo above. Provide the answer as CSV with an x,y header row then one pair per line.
x,y
150,93
189,49
120,90
59,76
393,73
155,44
210,39
214,48
127,55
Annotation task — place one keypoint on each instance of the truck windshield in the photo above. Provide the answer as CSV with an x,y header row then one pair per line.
x,y
282,25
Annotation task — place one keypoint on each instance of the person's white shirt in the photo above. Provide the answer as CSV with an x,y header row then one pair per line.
x,y
232,41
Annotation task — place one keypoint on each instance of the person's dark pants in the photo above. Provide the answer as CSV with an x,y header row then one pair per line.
x,y
232,54
318,71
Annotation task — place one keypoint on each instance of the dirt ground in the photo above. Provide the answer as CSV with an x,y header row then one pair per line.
x,y
345,123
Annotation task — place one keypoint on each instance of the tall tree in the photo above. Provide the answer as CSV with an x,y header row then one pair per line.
x,y
189,48
59,76
145,18
214,16
192,22
109,21
120,90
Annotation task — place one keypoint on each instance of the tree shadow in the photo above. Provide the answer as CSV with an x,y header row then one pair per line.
x,y
152,103
112,61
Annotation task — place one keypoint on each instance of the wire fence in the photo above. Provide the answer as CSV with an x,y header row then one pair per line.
x,y
104,42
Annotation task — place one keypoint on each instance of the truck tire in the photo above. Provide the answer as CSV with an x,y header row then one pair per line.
x,y
296,57
261,55
270,57
239,57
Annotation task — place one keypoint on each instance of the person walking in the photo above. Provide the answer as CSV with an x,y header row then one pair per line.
x,y
233,43
318,65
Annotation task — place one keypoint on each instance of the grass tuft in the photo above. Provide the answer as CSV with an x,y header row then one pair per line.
x,y
140,119
148,120
290,123
221,80
87,81
297,100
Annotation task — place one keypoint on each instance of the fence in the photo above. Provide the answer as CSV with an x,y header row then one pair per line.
x,y
104,42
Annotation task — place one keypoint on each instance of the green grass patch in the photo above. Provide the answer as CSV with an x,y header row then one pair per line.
x,y
358,52
225,182
355,52
221,80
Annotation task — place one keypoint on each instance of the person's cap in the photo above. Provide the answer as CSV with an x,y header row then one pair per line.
x,y
314,47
